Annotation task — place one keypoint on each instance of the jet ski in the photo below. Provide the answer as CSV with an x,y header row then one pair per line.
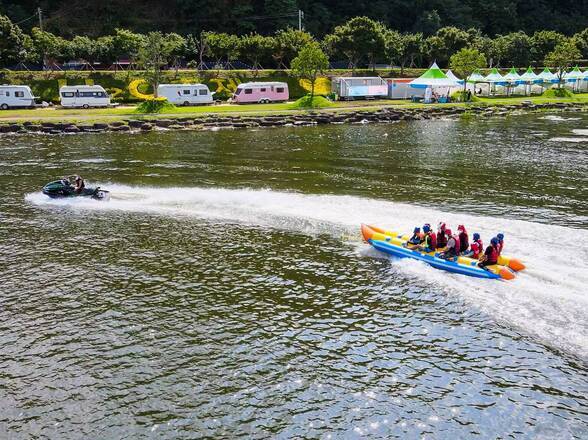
x,y
60,189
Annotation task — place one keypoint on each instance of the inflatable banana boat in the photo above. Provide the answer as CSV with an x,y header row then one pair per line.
x,y
392,243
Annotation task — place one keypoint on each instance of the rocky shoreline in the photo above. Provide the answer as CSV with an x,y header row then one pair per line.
x,y
217,121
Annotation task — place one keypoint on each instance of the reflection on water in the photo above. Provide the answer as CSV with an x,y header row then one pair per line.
x,y
224,290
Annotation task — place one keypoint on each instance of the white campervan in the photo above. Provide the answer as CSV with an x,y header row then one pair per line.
x,y
16,96
185,94
84,96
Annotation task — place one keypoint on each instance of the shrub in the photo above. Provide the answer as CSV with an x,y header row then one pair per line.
x,y
307,102
558,93
459,96
157,105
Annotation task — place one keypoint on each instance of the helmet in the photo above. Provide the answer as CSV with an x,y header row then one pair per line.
x,y
500,236
448,231
427,227
441,226
476,236
461,228
417,229
494,241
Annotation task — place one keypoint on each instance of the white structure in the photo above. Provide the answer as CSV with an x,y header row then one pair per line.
x,y
16,96
84,96
185,94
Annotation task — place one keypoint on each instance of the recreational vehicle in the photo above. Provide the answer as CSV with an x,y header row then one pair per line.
x,y
359,87
185,94
261,92
16,96
84,96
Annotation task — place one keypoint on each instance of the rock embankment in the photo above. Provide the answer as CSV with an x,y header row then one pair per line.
x,y
217,122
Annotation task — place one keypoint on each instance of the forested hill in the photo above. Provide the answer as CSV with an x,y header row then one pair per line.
x,y
99,17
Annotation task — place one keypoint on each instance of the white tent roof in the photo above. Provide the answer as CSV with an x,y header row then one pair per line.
x,y
449,74
512,75
476,77
547,76
575,73
529,75
434,77
494,77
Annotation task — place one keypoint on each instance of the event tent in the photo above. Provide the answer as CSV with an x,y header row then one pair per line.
x,y
494,77
531,77
573,75
476,77
513,77
434,77
547,76
449,74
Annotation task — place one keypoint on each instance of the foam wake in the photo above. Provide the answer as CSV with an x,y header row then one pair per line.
x,y
547,300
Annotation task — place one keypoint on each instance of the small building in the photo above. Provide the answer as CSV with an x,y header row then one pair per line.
x,y
261,92
16,97
84,96
347,88
185,94
399,88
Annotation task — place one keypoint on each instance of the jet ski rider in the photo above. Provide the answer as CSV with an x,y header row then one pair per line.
x,y
79,184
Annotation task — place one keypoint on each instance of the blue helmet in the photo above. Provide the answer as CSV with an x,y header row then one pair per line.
x,y
494,241
426,228
476,236
500,236
417,229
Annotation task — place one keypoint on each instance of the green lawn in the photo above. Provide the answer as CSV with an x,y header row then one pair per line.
x,y
127,112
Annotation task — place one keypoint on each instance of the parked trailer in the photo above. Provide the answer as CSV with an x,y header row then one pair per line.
x,y
348,88
261,92
185,94
16,97
84,96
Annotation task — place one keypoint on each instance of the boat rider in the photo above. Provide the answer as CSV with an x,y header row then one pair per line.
x,y
429,243
490,255
79,184
452,250
476,248
416,238
441,239
500,242
464,240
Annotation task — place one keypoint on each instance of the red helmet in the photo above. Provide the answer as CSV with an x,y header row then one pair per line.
x,y
448,231
461,228
441,226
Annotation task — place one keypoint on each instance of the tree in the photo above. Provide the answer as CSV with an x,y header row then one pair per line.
x,y
127,44
360,38
515,48
543,42
561,58
428,23
255,47
12,42
413,49
446,42
221,46
581,41
465,62
50,47
288,42
284,12
309,63
394,46
153,56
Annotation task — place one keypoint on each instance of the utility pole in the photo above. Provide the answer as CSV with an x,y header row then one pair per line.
x,y
300,17
40,14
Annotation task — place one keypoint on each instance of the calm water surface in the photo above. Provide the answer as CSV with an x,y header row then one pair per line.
x,y
225,292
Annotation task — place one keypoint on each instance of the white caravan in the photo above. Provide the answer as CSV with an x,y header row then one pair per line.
x,y
16,96
84,96
185,94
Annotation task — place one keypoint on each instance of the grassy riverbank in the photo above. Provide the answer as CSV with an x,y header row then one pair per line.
x,y
129,112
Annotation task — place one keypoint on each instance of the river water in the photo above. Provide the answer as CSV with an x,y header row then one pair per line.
x,y
224,290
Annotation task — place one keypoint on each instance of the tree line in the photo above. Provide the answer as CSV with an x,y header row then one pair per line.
x,y
69,18
358,42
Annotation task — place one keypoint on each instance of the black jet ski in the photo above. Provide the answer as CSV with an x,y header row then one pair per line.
x,y
60,189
